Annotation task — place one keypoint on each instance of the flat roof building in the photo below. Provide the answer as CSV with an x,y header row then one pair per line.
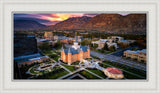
x,y
139,55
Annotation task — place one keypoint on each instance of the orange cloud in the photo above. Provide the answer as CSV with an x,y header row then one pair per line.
x,y
59,16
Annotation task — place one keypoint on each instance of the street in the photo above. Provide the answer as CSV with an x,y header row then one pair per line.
x,y
113,58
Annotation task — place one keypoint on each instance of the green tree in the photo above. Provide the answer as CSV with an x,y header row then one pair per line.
x,y
45,46
106,47
58,44
112,48
95,46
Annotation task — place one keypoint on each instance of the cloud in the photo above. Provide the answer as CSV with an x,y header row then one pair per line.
x,y
49,18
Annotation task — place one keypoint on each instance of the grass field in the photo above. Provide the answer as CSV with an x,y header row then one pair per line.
x,y
57,75
88,75
98,72
71,68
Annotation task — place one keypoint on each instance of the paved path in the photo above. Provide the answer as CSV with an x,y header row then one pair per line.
x,y
71,73
113,58
76,75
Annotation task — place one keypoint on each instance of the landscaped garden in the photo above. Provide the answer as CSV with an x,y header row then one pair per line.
x,y
56,73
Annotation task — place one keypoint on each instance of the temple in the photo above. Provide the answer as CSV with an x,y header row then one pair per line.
x,y
75,53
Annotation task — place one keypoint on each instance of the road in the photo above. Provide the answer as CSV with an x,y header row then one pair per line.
x,y
113,58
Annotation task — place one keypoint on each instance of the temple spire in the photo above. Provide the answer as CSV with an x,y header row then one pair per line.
x,y
81,49
69,51
62,49
88,47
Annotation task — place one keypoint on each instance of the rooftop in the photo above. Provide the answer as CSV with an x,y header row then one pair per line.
x,y
136,52
124,41
74,51
114,70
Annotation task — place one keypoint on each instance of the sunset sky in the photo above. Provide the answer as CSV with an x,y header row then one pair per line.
x,y
51,18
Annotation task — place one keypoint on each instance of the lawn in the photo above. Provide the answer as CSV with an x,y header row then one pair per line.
x,y
71,68
57,75
47,52
98,72
130,76
88,75
56,58
103,65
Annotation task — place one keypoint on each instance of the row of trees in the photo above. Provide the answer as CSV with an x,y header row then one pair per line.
x,y
111,48
47,46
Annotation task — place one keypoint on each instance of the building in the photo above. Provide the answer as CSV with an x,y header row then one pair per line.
x,y
112,44
127,42
56,37
139,55
24,44
48,35
79,38
75,53
64,41
30,59
101,43
113,72
41,41
115,38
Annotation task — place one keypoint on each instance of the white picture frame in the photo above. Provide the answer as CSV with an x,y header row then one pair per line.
x,y
151,7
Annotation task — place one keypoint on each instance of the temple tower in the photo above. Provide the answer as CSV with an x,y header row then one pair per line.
x,y
69,57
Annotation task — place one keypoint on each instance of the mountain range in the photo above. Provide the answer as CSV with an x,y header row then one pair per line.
x,y
111,23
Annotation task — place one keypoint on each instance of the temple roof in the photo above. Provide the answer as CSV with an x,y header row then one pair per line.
x,y
75,51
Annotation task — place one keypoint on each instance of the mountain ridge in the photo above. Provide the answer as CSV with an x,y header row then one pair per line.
x,y
110,23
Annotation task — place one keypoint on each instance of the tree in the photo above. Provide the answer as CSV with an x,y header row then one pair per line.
x,y
112,48
45,46
95,46
85,42
105,47
58,44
